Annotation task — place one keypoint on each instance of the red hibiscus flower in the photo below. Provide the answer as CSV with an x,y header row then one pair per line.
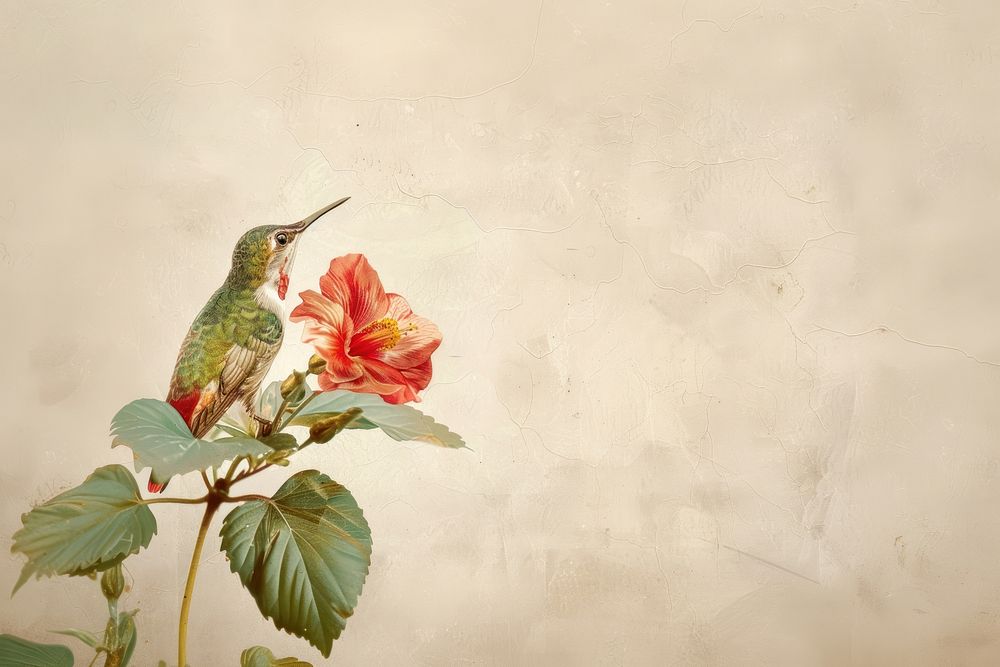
x,y
371,340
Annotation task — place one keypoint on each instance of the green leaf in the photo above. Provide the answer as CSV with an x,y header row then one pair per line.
x,y
86,529
280,441
399,422
22,653
269,400
258,656
362,423
237,422
229,429
124,638
88,638
303,555
161,440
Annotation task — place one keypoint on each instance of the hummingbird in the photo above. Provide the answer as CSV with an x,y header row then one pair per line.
x,y
233,340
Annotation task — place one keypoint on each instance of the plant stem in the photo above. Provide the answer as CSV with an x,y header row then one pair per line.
x,y
254,471
213,505
250,473
277,417
233,467
298,409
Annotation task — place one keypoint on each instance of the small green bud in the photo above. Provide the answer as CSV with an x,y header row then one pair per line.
x,y
293,388
113,582
324,429
317,364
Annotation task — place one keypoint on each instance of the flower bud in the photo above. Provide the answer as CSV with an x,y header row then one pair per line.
x,y
113,582
317,364
324,429
293,388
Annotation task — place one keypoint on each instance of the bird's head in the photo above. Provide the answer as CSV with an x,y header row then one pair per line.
x,y
263,256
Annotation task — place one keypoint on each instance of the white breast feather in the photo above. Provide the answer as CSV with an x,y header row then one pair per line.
x,y
267,297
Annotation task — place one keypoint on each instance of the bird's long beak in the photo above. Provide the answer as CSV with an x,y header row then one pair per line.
x,y
301,226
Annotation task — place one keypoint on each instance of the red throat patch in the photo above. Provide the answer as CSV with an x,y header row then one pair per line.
x,y
282,285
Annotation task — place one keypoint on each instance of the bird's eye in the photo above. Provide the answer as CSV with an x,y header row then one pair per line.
x,y
281,238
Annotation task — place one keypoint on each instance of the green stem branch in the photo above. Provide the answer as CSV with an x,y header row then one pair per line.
x,y
277,416
234,466
254,471
299,409
213,505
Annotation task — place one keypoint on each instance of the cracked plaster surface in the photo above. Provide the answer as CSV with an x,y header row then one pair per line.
x,y
716,279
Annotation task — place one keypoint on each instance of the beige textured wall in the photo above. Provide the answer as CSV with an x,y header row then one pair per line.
x,y
717,281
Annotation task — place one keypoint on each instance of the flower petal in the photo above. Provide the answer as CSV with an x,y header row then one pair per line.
x,y
417,378
394,386
366,383
351,322
419,337
329,330
404,394
398,309
317,307
354,284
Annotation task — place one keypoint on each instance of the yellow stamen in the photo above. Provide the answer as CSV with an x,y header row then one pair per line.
x,y
384,333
